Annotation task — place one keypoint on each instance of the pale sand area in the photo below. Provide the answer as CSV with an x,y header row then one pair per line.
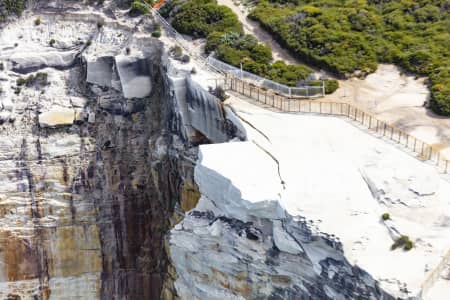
x,y
398,99
391,96
344,179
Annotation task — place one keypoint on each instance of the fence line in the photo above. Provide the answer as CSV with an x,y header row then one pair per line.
x,y
294,92
182,42
423,150
224,68
288,104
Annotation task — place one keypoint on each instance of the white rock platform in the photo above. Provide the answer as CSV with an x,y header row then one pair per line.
x,y
342,179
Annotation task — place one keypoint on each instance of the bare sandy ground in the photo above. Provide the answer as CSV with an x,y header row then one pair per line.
x,y
388,94
398,99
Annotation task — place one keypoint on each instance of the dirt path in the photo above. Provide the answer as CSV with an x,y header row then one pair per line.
x,y
252,27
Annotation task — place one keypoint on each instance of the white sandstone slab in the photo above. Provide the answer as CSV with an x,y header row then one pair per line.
x,y
342,179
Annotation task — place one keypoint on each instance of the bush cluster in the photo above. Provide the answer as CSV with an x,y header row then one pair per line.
x,y
156,34
349,36
224,34
403,241
11,7
140,7
40,79
177,53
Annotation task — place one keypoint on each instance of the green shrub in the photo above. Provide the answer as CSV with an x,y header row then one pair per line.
x,y
40,79
261,54
37,21
331,85
213,41
200,18
385,217
13,6
219,92
52,42
138,7
156,34
403,241
176,51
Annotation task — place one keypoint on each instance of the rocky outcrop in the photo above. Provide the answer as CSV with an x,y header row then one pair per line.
x,y
95,162
240,245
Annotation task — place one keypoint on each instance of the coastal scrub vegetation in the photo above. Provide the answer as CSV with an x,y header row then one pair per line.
x,y
8,7
347,36
141,6
225,36
404,241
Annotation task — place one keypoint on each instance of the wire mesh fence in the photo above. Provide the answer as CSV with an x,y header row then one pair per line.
x,y
295,92
182,42
422,150
280,96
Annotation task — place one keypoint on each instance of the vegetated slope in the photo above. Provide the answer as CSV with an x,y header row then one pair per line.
x,y
344,36
224,34
8,7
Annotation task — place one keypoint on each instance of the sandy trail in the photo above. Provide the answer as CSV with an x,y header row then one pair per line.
x,y
252,27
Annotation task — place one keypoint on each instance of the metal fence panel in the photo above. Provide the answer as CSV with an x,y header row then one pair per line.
x,y
301,92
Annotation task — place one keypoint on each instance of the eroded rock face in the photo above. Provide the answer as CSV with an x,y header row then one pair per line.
x,y
92,163
228,247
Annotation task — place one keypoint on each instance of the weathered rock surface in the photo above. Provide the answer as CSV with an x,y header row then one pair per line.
x,y
58,117
92,164
97,166
332,182
230,247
